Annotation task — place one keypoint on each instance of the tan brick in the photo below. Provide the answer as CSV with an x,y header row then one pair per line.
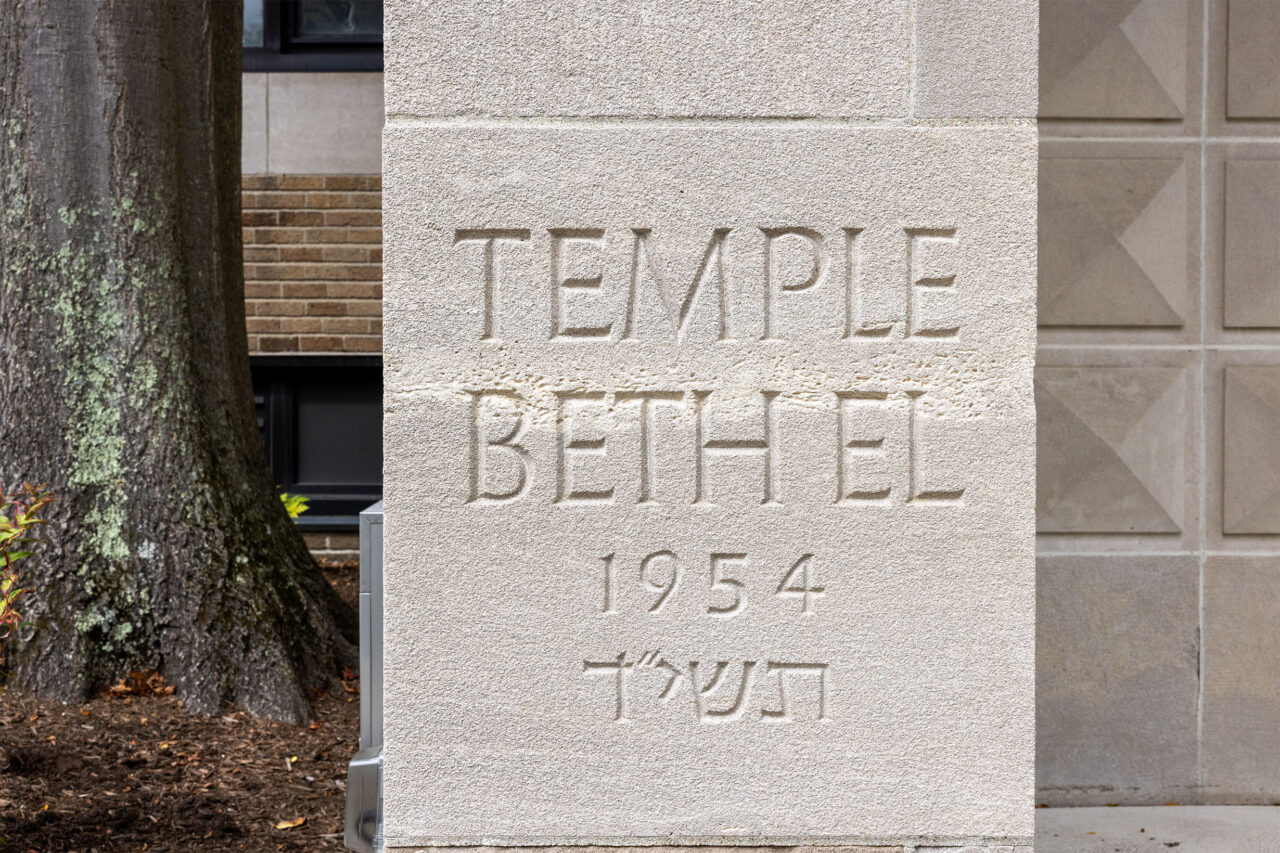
x,y
319,343
353,217
354,290
375,326
301,253
327,309
259,182
247,235
262,324
346,325
304,290
301,182
364,235
330,235
258,217
347,254
253,344
301,217
364,308
344,541
278,343
362,343
375,255
302,324
279,235
250,308
272,200
316,541
352,182
279,307
261,290
260,253
327,201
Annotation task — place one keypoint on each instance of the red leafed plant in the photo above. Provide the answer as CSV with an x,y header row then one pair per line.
x,y
18,521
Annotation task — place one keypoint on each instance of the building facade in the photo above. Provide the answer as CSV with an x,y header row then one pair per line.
x,y
1158,379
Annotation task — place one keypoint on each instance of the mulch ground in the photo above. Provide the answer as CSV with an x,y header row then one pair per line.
x,y
132,771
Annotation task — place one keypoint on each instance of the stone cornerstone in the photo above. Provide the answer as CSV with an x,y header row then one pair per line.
x,y
710,488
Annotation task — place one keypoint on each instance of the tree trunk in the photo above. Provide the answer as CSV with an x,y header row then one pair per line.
x,y
124,369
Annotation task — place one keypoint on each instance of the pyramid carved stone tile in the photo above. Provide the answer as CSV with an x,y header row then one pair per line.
x,y
1115,59
1251,455
1253,63
1251,288
1111,237
1110,448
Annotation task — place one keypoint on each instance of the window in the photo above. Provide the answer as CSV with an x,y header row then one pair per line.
x,y
321,422
312,35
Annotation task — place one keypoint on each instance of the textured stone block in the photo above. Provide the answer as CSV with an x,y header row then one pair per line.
x,y
253,111
324,123
1114,236
1251,279
1112,448
1253,64
599,58
1240,752
1116,679
1251,451
1114,59
974,58
709,483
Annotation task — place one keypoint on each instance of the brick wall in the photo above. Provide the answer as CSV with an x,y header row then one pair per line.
x,y
313,263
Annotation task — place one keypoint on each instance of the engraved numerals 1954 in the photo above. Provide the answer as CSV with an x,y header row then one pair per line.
x,y
661,574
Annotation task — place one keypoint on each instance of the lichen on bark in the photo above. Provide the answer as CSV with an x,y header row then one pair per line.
x,y
124,366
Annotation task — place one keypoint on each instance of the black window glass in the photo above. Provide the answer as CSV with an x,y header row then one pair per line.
x,y
337,21
252,23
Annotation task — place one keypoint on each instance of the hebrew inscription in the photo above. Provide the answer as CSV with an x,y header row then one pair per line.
x,y
710,484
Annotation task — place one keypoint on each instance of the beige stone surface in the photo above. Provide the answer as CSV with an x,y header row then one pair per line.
x,y
1121,67
1116,679
1253,64
1108,59
1118,235
1242,464
973,58
1114,443
324,123
1251,281
1251,453
1240,753
834,330
253,138
597,58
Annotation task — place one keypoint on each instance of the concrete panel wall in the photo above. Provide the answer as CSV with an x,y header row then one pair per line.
x,y
1158,385
312,123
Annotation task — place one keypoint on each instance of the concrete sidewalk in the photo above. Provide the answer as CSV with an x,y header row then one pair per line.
x,y
1159,829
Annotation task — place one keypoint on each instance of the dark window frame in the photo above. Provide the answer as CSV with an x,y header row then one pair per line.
x,y
281,51
333,506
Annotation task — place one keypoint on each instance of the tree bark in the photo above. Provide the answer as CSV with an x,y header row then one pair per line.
x,y
124,369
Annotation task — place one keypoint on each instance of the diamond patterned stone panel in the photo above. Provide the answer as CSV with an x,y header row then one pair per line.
x,y
1113,242
1114,59
1111,447
1251,250
1116,679
1251,449
1253,62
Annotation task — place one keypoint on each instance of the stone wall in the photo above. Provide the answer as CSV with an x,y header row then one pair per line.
x,y
1158,387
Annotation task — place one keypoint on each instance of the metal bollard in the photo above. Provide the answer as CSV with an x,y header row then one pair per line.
x,y
362,822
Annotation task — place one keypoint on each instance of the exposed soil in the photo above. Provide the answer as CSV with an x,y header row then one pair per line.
x,y
132,771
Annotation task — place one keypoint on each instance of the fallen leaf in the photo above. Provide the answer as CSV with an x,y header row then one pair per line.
x,y
290,824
